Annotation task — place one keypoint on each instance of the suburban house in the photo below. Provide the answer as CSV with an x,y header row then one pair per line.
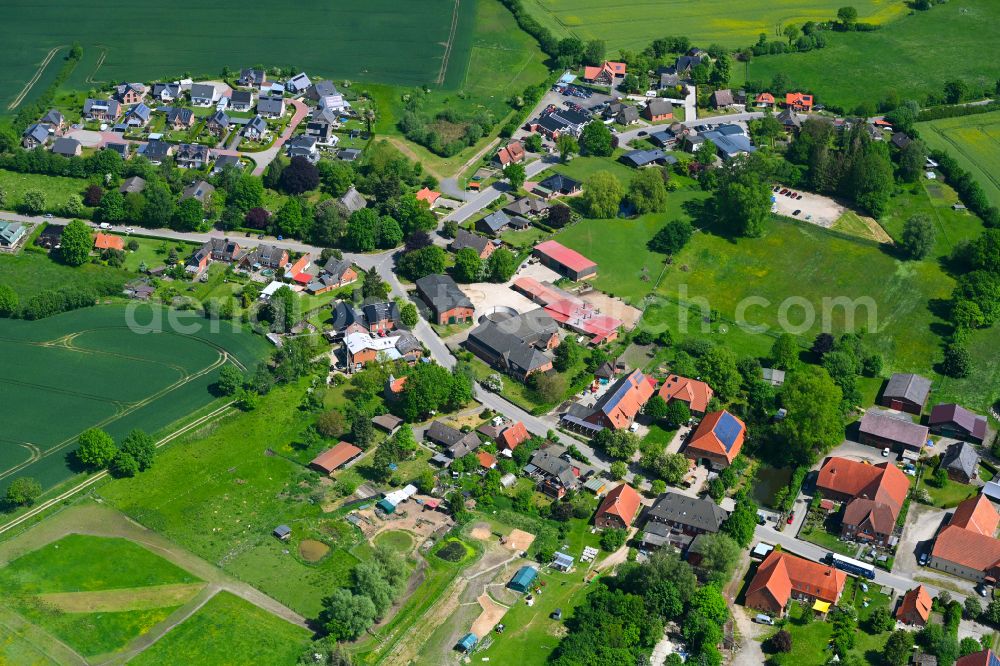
x,y
252,77
109,242
320,89
685,63
553,472
627,115
622,402
67,147
192,156
102,110
684,518
166,92
449,303
915,609
961,461
216,249
454,441
263,256
130,93
721,99
132,185
11,233
717,440
363,348
518,345
321,126
568,263
335,104
782,577
270,107
255,129
606,74
730,141
497,222
37,134
156,150
641,158
893,431
241,100
298,83
120,147
302,146
334,274
569,310
798,101
351,201
512,153
333,459
906,393
527,206
218,123
482,245
900,140
663,138
223,161
204,94
789,120
375,318
55,120
428,195
764,100
558,185
986,657
967,547
553,122
874,495
951,420
486,460
696,394
138,115
618,508
180,119
200,190
658,110
512,437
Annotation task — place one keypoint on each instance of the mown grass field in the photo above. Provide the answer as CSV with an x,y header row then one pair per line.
x,y
975,142
392,41
911,57
228,630
90,369
625,25
57,189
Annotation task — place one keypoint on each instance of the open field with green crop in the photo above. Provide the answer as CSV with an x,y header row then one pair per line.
x,y
220,633
975,142
384,40
121,379
625,25
910,57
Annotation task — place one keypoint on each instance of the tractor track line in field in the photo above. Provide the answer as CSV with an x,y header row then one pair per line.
x,y
100,62
101,475
33,80
447,46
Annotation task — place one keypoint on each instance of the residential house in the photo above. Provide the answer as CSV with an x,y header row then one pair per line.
x,y
55,120
351,201
11,233
527,206
966,547
893,431
782,577
321,89
685,63
255,129
180,119
387,422
628,115
108,242
986,657
138,115
667,78
518,345
241,100
298,83
362,348
270,107
456,442
321,126
906,393
694,393
961,461
49,239
335,104
773,376
664,139
789,120
658,110
335,274
67,147
482,245
204,94
553,472
553,122
721,99
915,609
166,92
512,437
449,304
428,195
340,456
622,402
605,74
730,141
156,150
37,134
130,93
102,110
643,158
558,185
764,100
381,316
798,101
951,420
122,148
900,140
223,161
487,461
684,518
349,154
618,508
200,190
252,77
218,123
191,156
303,146
494,223
512,153
263,256
874,495
717,440
133,185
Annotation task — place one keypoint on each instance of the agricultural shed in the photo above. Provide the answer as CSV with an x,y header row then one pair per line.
x,y
523,579
467,643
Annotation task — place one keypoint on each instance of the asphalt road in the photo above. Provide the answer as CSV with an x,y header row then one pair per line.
x,y
490,194
631,135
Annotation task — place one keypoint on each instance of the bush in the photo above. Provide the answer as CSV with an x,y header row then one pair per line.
x,y
613,539
780,642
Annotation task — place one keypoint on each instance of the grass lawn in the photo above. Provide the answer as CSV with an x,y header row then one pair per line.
x,y
95,633
827,535
523,240
910,57
948,496
396,540
582,168
30,272
972,141
153,252
57,189
216,635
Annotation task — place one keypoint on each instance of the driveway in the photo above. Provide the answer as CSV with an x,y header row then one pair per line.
x,y
857,451
265,157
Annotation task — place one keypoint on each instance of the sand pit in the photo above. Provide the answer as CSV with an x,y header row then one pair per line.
x,y
312,550
492,613
519,540
481,532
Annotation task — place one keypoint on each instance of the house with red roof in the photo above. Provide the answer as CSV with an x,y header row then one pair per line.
x,y
696,394
874,494
109,242
799,101
619,508
765,100
717,440
512,437
512,153
606,74
915,608
623,400
486,460
985,658
783,577
565,261
428,195
966,547
333,459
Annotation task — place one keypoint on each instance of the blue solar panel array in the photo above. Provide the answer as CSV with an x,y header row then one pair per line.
x,y
727,430
993,660
626,386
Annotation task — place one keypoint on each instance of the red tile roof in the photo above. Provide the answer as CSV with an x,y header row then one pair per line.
x,y
967,548
333,458
396,385
883,482
623,502
624,400
916,601
513,436
984,658
799,99
486,460
765,98
781,573
512,153
428,195
695,393
708,439
978,515
571,259
108,242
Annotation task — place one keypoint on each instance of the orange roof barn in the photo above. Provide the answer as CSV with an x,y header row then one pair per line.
x,y
781,574
332,459
719,438
619,507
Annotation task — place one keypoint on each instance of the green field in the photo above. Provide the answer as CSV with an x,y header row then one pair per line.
x,y
57,189
974,141
629,25
384,40
93,370
228,630
911,57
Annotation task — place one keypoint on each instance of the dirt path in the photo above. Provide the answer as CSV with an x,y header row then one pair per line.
x,y
42,641
401,146
33,80
125,599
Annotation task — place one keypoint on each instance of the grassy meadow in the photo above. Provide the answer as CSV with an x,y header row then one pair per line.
x,y
57,189
974,141
910,57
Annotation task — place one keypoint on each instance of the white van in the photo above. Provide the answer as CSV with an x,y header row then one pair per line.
x,y
763,619
105,225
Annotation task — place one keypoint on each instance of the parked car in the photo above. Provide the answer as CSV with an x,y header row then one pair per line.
x,y
776,188
643,133
763,619
923,558
798,196
783,191
885,452
796,211
791,517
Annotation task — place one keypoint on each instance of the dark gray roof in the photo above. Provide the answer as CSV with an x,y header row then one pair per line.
x,y
241,97
548,461
176,113
336,267
526,205
560,183
140,111
54,117
495,221
222,161
202,91
257,124
321,89
442,293
200,190
380,312
270,105
628,114
464,239
156,149
914,388
894,428
65,146
702,514
344,315
961,456
638,158
219,118
658,106
133,184
457,442
513,339
38,132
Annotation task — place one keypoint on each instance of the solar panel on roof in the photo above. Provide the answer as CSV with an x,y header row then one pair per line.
x,y
993,660
727,430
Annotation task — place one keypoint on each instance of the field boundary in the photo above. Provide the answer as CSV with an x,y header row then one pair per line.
x,y
34,79
447,45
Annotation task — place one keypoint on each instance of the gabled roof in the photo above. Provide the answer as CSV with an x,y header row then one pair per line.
x,y
625,398
976,514
109,242
270,105
257,124
219,118
985,658
781,573
352,200
968,548
916,601
442,293
53,117
513,436
202,91
140,111
133,184
38,132
496,221
722,98
464,239
719,433
765,98
331,459
884,482
561,184
241,97
797,98
178,114
428,195
692,391
547,460
571,259
336,267
961,457
659,107
623,501
889,426
65,146
696,512
904,386
950,413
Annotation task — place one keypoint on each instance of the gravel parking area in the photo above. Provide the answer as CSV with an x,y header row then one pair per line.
x,y
922,523
814,208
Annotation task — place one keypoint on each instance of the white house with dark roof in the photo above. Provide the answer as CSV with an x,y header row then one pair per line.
x,y
204,94
241,100
270,106
298,83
